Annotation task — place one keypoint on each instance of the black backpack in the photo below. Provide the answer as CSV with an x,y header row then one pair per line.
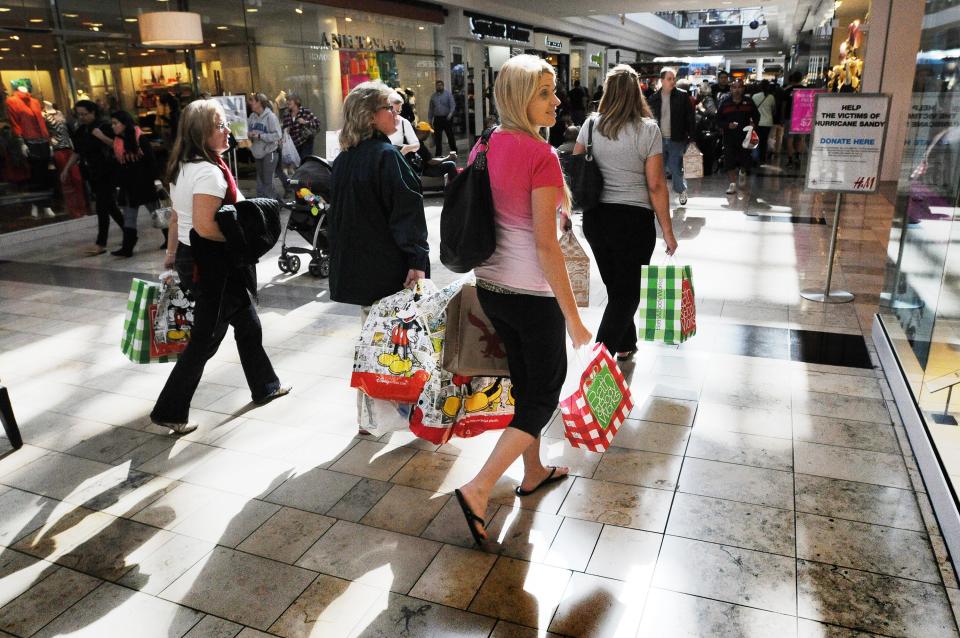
x,y
467,233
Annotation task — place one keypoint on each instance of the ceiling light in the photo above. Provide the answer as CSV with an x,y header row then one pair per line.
x,y
129,19
71,15
348,19
94,28
171,28
222,28
36,20
151,50
4,9
421,28
120,53
213,45
14,37
252,10
143,54
298,10
36,46
5,49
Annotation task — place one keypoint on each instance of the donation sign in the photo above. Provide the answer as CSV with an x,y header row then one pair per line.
x,y
847,142
801,110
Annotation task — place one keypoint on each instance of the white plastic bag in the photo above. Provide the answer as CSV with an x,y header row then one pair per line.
x,y
692,162
288,151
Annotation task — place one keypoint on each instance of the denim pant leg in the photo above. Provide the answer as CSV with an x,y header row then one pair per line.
x,y
673,160
130,217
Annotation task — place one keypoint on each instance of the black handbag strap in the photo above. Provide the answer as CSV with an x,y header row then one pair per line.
x,y
480,160
589,156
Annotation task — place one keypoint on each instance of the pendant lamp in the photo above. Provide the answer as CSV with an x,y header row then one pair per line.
x,y
171,29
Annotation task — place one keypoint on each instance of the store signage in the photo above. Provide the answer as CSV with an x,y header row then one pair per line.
x,y
552,44
487,28
801,112
596,59
360,42
847,142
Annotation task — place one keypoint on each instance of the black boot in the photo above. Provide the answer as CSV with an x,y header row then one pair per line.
x,y
165,232
129,241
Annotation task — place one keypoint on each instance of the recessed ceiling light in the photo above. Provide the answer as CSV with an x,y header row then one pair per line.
x,y
36,46
14,37
36,20
252,10
298,10
129,19
144,54
4,9
151,50
421,28
71,15
5,49
120,53
222,28
213,45
348,19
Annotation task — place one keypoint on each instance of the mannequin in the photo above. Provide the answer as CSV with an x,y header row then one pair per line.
x,y
74,197
26,118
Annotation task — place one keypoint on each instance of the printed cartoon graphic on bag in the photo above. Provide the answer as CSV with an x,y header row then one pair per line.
x,y
394,355
597,408
148,306
452,404
668,310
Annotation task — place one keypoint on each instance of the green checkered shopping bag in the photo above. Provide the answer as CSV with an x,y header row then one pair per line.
x,y
141,342
668,311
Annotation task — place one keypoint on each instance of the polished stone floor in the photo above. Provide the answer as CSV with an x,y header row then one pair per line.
x,y
763,486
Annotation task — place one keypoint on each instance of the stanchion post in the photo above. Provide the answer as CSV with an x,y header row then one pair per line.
x,y
837,296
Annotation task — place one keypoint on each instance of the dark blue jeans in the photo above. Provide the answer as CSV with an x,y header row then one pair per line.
x,y
220,302
673,163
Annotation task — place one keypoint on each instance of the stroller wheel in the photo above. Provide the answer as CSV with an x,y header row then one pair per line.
x,y
320,267
293,262
283,265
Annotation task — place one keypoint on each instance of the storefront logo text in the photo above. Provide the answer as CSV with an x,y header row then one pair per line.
x,y
347,41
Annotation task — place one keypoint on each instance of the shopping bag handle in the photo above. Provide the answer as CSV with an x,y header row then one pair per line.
x,y
169,275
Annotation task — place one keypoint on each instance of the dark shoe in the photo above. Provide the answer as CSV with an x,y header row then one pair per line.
x,y
551,478
129,241
471,518
282,391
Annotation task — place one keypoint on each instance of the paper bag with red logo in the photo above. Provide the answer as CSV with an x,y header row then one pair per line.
x,y
597,408
668,310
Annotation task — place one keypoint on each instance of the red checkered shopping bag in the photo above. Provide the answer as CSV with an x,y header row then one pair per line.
x,y
594,412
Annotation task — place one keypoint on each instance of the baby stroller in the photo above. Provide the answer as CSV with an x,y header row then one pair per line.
x,y
308,217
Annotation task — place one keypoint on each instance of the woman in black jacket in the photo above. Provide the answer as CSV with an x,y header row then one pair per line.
x,y
378,231
137,173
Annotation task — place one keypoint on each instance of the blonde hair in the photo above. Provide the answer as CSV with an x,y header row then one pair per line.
x,y
198,122
359,109
622,101
263,100
514,89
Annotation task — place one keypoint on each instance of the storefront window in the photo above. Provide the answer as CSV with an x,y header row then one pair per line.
x,y
921,300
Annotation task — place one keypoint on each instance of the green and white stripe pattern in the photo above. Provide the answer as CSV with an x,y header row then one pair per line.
x,y
667,306
137,329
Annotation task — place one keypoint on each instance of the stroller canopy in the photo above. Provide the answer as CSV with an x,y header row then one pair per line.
x,y
314,173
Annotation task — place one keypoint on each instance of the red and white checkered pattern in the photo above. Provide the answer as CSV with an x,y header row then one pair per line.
x,y
579,424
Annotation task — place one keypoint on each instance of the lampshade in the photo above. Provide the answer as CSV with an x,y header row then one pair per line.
x,y
170,29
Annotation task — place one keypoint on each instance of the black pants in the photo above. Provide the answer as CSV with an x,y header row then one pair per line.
x,y
306,148
219,303
443,124
763,132
41,180
734,155
622,239
106,195
533,333
446,167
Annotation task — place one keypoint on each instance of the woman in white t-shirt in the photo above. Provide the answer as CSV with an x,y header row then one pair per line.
x,y
766,103
200,183
405,136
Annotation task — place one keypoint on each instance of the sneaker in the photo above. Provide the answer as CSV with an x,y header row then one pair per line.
x,y
282,391
732,188
178,428
683,198
742,178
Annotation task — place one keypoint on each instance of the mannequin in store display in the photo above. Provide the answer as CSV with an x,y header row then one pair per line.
x,y
25,113
74,196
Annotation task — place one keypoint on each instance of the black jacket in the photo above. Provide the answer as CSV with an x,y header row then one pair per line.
x,y
377,226
136,178
683,125
743,113
251,227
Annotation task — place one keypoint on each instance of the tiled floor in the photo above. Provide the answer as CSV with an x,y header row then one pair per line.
x,y
763,486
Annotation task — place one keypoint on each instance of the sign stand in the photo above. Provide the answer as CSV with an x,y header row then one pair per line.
x,y
836,296
947,381
845,157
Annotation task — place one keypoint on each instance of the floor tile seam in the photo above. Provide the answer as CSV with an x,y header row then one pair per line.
x,y
801,440
847,628
924,531
717,600
938,584
874,422
81,599
37,582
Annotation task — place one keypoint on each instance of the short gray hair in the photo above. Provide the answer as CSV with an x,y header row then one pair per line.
x,y
395,98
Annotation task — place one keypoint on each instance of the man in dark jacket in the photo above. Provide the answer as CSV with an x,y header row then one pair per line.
x,y
674,112
378,233
734,112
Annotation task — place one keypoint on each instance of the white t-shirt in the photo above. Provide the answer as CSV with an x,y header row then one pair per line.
x,y
765,104
405,127
195,178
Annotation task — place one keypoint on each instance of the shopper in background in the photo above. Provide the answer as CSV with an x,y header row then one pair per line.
x,y
796,144
302,125
404,137
200,183
138,175
523,287
578,103
93,149
766,102
445,167
409,110
722,87
734,112
440,113
378,230
673,111
621,230
263,129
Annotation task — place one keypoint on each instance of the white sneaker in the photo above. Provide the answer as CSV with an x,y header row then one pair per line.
x,y
683,198
49,212
732,188
742,178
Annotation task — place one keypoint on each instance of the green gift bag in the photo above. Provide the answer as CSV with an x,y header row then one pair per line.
x,y
139,342
668,310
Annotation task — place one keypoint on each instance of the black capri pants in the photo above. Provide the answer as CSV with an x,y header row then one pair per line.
x,y
734,155
533,333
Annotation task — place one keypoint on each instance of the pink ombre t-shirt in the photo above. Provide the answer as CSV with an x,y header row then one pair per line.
x,y
517,164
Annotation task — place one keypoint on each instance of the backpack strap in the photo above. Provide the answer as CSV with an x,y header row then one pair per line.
x,y
589,156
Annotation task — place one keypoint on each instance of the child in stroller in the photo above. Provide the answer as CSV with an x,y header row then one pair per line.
x,y
308,217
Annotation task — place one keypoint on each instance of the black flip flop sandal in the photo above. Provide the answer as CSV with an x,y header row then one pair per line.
x,y
471,518
550,479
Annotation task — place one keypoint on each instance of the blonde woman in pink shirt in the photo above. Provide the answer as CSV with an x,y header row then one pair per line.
x,y
523,287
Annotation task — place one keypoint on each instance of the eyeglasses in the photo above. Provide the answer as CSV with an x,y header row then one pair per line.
x,y
221,126
388,107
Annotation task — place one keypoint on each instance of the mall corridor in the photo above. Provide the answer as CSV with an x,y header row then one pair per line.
x,y
762,487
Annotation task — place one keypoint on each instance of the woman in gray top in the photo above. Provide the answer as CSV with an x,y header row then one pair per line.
x,y
263,129
628,150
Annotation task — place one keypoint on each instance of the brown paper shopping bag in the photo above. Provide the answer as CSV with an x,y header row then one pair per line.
x,y
471,345
578,267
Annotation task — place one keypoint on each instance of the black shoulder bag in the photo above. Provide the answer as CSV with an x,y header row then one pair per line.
x,y
584,176
467,233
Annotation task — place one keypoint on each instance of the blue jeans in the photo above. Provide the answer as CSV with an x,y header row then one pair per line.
x,y
673,162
